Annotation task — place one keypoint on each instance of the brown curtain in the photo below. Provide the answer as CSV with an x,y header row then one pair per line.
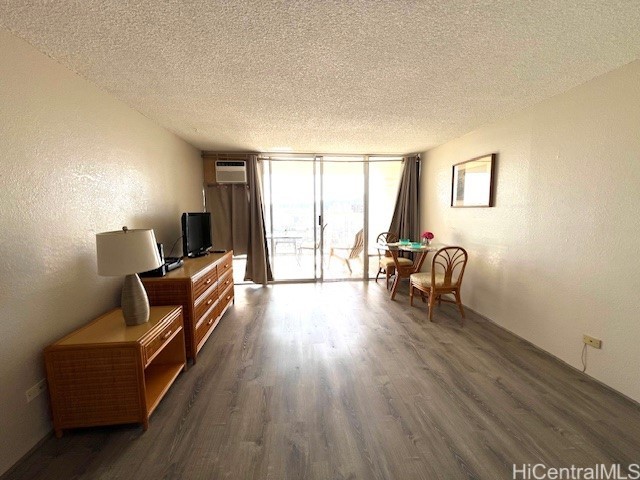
x,y
258,265
229,207
406,215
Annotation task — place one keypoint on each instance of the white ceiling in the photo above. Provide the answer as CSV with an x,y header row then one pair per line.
x,y
331,76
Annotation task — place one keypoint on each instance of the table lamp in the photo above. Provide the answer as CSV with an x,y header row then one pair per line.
x,y
128,252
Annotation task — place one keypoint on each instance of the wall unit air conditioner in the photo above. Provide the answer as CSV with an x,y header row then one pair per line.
x,y
231,171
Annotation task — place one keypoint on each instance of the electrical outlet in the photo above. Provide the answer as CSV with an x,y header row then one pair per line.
x,y
592,341
36,390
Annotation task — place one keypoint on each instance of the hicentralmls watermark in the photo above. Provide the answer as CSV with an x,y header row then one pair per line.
x,y
599,471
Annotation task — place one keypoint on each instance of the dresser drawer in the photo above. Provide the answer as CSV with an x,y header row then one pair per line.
x,y
204,282
226,297
205,302
224,282
207,323
162,337
225,265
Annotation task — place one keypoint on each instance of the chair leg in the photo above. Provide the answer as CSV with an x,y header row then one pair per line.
x,y
348,266
459,302
411,288
378,274
387,274
432,302
394,286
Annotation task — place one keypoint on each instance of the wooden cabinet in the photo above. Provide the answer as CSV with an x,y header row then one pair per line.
x,y
108,373
204,288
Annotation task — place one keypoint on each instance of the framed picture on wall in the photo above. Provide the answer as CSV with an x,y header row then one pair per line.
x,y
472,182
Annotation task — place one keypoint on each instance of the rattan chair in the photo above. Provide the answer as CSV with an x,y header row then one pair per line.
x,y
445,277
386,264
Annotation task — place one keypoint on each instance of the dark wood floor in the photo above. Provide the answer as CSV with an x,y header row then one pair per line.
x,y
335,381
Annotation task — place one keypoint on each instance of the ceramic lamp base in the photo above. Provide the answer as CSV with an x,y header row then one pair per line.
x,y
135,304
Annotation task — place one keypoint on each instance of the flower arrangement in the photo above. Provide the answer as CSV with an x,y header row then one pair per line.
x,y
427,237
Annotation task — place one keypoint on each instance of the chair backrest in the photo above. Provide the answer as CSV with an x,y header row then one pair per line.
x,y
448,265
358,245
386,237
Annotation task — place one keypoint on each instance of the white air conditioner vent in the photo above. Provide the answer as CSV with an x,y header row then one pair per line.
x,y
231,171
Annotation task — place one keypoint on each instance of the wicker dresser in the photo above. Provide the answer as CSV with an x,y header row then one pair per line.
x,y
107,373
204,288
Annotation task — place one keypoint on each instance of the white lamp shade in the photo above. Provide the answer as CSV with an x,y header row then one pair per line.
x,y
125,252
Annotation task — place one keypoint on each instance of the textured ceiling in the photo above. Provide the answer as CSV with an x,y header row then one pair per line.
x,y
377,76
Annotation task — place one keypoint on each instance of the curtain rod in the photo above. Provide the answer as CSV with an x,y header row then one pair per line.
x,y
308,154
264,159
315,154
322,159
309,157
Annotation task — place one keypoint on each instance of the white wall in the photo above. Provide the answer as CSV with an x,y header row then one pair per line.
x,y
73,162
558,254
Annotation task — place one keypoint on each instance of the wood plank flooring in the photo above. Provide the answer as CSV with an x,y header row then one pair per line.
x,y
335,381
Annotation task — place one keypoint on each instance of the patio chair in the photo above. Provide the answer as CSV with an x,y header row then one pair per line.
x,y
347,254
310,244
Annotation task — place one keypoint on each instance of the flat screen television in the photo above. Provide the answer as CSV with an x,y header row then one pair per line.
x,y
196,233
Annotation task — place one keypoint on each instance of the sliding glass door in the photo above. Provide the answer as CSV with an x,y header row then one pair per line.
x,y
323,214
343,207
290,209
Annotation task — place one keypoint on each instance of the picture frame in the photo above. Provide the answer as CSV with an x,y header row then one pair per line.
x,y
472,182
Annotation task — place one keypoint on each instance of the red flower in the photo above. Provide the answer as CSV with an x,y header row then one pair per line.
x,y
427,235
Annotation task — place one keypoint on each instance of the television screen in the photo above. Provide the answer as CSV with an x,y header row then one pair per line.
x,y
196,233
